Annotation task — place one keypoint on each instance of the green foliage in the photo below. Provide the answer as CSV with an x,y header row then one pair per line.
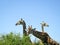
x,y
10,39
15,39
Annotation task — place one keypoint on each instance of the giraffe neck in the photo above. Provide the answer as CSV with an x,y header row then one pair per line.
x,y
24,27
24,30
42,28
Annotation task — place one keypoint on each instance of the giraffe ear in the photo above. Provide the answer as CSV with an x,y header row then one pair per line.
x,y
47,25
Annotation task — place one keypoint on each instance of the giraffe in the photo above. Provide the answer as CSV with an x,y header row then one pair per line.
x,y
22,22
45,37
43,24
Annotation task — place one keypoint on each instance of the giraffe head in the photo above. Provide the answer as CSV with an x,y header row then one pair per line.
x,y
44,24
20,22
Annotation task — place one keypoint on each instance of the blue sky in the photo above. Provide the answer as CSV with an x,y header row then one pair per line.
x,y
33,12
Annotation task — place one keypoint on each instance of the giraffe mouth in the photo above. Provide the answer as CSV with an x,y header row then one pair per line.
x,y
16,24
